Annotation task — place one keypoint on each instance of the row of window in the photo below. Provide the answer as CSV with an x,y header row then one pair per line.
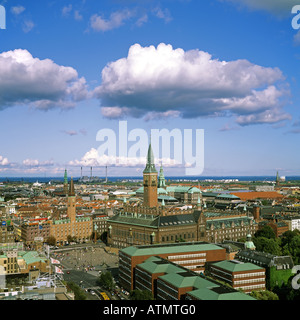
x,y
141,286
249,281
231,233
182,262
247,275
143,274
165,292
178,236
195,267
192,255
255,286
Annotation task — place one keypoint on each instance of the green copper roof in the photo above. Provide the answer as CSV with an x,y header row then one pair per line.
x,y
66,177
159,191
169,248
161,178
249,245
30,256
236,267
150,167
211,294
187,279
157,265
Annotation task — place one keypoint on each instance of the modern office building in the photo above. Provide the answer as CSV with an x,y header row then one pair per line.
x,y
168,281
190,255
240,275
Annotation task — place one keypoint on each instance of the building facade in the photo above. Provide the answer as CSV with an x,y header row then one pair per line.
x,y
245,276
192,256
35,230
169,281
7,234
78,228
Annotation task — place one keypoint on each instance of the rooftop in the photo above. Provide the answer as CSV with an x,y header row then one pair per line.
x,y
217,294
233,266
170,248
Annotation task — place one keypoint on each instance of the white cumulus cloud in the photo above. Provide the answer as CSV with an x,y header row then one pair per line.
x,y
162,81
94,159
3,161
39,83
37,163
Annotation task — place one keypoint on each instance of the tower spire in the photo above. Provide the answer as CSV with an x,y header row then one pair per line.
x,y
161,178
66,177
150,180
71,189
150,166
277,179
66,182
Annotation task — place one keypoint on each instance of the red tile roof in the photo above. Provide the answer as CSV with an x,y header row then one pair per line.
x,y
258,195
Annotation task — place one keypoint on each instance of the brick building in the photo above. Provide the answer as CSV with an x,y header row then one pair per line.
x,y
35,229
191,255
168,281
244,276
79,228
150,222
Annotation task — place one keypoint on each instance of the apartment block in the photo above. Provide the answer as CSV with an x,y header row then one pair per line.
x,y
190,255
245,276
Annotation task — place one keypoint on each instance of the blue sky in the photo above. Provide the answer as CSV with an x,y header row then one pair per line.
x,y
71,68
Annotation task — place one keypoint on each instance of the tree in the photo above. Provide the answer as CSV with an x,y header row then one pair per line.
x,y
141,295
106,280
70,238
51,241
290,244
264,295
287,237
295,249
78,292
266,232
267,245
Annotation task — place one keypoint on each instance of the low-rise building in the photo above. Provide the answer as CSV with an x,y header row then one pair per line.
x,y
34,230
6,232
169,281
278,268
190,255
293,222
245,276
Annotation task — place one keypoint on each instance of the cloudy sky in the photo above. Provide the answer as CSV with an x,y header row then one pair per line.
x,y
69,69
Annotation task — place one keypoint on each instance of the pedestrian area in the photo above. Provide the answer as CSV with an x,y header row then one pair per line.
x,y
88,259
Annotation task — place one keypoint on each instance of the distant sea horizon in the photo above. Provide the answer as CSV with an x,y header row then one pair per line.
x,y
138,178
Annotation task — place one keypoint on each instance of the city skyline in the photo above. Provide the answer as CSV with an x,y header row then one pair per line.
x,y
72,68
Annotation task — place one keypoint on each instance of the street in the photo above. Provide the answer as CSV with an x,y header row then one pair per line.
x,y
82,264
